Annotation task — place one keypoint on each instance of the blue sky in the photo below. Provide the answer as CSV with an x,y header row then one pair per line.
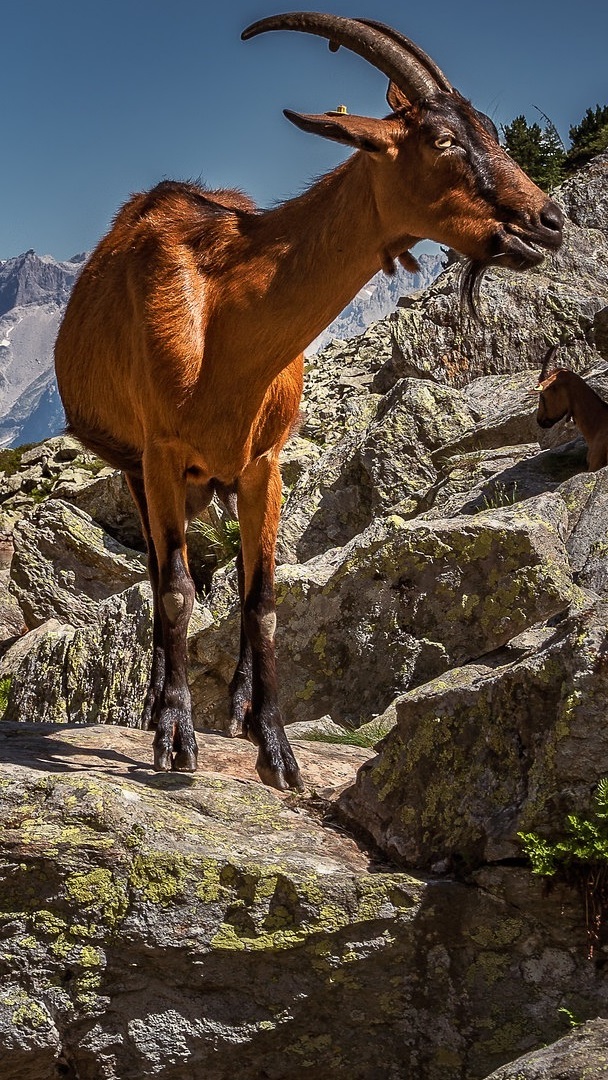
x,y
102,99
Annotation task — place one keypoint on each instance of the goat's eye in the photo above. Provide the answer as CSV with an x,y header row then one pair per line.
x,y
443,142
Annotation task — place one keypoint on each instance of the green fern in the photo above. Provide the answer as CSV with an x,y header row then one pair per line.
x,y
5,687
579,858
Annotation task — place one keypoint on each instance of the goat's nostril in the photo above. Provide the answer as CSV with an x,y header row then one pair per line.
x,y
551,217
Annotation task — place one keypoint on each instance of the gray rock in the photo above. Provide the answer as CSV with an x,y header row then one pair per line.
x,y
97,673
580,1055
401,603
64,564
107,499
491,749
365,474
206,926
586,499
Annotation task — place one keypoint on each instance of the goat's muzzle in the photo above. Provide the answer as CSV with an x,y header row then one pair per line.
x,y
522,244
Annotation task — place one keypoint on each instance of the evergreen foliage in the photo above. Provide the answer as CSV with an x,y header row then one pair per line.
x,y
537,149
541,153
588,138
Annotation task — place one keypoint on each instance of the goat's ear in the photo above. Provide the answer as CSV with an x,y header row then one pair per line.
x,y
396,98
361,132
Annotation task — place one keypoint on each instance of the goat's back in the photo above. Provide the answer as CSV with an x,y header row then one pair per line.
x,y
131,342
134,354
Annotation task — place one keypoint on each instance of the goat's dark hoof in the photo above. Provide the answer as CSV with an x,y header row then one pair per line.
x,y
282,777
162,759
185,761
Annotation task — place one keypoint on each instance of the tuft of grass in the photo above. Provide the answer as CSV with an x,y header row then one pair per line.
x,y
224,538
10,459
499,495
374,731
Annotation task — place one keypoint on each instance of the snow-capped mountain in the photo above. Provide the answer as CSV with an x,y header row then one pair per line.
x,y
34,290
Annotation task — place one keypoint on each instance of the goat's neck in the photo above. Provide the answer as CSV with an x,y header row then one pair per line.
x,y
587,409
315,252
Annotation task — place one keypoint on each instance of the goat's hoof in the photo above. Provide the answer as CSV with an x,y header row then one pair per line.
x,y
185,761
162,760
283,777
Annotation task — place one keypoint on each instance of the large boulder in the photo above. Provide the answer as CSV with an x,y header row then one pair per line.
x,y
398,605
580,1055
491,749
366,473
204,926
64,564
96,673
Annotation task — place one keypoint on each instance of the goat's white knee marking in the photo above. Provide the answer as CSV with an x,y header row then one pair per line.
x,y
268,624
173,603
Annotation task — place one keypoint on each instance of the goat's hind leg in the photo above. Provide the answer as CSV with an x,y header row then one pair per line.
x,y
157,676
259,502
165,489
240,685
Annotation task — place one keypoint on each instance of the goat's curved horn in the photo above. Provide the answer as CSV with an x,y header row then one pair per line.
x,y
414,50
379,45
548,363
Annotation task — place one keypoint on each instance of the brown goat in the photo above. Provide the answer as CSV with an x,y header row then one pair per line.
x,y
179,359
564,394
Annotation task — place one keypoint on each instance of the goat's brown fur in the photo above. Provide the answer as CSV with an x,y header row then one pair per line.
x,y
179,358
565,395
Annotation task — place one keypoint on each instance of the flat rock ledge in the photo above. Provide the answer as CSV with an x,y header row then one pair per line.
x,y
190,926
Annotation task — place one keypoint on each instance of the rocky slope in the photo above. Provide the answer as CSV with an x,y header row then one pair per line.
x,y
442,587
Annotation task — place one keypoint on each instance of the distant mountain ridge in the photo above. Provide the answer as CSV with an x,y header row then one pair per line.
x,y
34,290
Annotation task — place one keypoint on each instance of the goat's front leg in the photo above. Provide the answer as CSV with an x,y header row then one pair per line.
x,y
259,503
165,490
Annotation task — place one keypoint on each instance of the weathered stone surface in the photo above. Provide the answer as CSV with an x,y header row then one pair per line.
x,y
206,926
64,564
365,474
90,674
429,336
581,1055
107,499
481,480
11,618
484,751
398,605
29,474
586,499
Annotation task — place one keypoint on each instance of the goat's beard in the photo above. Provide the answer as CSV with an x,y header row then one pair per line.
x,y
471,277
